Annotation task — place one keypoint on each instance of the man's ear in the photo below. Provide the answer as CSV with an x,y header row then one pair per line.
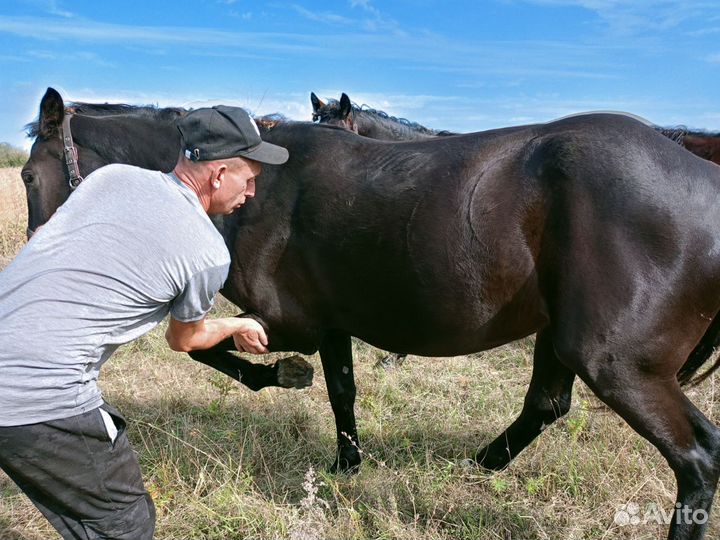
x,y
219,173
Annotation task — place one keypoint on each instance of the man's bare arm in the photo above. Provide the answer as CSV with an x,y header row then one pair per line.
x,y
248,334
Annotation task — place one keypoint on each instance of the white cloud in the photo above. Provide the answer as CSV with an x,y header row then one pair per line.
x,y
97,32
320,16
13,58
245,15
50,7
85,56
378,21
55,9
42,55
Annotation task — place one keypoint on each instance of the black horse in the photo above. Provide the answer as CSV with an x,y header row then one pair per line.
x,y
369,122
595,232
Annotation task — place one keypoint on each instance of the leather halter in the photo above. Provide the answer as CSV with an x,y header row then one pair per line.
x,y
71,154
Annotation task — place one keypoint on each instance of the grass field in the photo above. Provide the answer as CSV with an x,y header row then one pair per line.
x,y
223,462
13,213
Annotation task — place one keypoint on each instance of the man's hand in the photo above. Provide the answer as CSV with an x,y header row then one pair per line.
x,y
251,337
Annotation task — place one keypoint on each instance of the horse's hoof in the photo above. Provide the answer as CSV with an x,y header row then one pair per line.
x,y
347,461
343,467
490,462
294,372
391,361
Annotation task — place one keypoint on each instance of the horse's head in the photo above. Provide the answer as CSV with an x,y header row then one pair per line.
x,y
45,174
336,113
143,136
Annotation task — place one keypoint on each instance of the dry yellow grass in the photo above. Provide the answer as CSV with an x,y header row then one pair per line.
x,y
222,462
12,196
13,213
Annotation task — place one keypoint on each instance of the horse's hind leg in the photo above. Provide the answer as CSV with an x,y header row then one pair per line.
x,y
548,398
647,395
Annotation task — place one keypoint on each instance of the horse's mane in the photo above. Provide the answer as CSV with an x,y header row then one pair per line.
x,y
152,112
109,109
678,133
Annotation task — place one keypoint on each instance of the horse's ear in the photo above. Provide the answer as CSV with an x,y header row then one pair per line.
x,y
316,103
345,106
52,112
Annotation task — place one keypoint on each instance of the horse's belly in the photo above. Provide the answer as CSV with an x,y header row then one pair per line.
x,y
452,323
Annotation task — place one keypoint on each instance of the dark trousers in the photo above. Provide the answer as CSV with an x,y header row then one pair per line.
x,y
85,484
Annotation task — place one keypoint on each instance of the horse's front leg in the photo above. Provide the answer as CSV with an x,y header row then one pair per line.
x,y
336,357
290,372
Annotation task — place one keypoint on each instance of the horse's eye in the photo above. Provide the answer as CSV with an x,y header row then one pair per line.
x,y
27,177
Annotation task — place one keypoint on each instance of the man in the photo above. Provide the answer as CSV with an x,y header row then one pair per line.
x,y
129,247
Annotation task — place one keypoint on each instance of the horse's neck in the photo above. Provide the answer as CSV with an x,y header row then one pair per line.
x,y
148,144
385,129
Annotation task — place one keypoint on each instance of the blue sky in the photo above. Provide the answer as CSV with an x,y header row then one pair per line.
x,y
462,66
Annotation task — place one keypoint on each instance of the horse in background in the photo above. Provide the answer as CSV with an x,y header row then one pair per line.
x,y
369,122
701,143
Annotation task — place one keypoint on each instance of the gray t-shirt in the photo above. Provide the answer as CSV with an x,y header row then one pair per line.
x,y
128,246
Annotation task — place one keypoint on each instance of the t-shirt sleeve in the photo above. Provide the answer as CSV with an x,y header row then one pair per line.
x,y
196,299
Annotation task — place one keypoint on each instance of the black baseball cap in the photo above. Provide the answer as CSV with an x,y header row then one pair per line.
x,y
223,132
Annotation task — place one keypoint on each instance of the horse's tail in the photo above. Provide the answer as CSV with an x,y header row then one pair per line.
x,y
700,354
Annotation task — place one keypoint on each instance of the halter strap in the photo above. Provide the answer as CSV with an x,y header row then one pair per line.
x,y
71,154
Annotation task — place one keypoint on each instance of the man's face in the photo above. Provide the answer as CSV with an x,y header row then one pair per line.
x,y
237,184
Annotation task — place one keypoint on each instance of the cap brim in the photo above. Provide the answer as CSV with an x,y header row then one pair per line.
x,y
266,152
